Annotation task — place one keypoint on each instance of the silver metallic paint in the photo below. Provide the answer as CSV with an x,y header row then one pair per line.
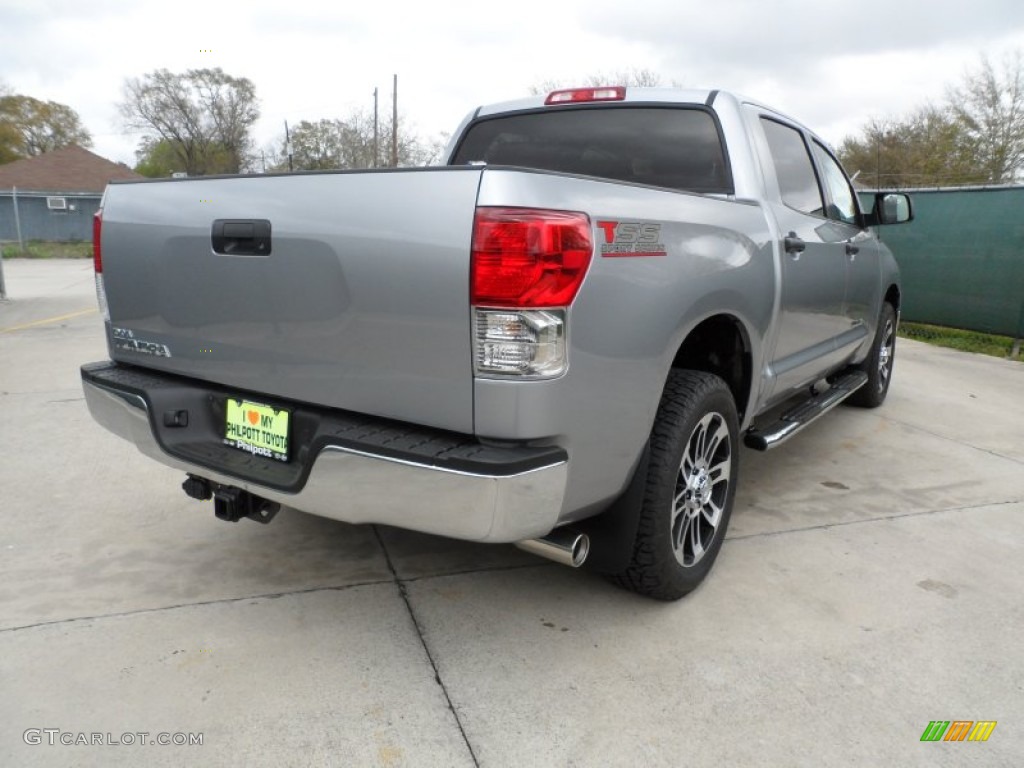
x,y
379,320
362,304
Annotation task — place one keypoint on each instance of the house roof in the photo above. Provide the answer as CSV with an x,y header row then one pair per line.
x,y
71,169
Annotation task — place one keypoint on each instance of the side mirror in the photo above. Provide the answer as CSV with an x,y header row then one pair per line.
x,y
891,208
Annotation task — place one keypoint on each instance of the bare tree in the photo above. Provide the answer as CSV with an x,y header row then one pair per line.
x,y
205,115
989,105
232,107
639,77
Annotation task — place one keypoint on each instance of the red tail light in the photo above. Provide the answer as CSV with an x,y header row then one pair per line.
x,y
97,251
576,95
528,258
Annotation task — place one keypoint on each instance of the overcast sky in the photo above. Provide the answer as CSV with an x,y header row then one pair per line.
x,y
831,64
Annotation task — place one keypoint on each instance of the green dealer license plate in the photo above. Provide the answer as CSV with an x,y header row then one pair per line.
x,y
257,429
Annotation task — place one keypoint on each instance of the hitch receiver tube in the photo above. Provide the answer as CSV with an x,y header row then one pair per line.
x,y
231,504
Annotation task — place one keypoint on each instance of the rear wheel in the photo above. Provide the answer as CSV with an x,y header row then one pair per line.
x,y
879,363
691,483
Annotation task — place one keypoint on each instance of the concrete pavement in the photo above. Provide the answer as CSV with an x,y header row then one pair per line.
x,y
871,583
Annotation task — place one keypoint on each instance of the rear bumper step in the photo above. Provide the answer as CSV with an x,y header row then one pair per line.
x,y
348,467
796,419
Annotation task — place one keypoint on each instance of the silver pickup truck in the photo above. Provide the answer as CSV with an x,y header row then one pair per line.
x,y
559,339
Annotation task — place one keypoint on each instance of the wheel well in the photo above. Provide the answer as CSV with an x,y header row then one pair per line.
x,y
719,346
892,296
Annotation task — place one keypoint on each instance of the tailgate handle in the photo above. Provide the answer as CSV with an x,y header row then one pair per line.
x,y
241,237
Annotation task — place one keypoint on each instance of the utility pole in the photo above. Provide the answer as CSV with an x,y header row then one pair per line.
x,y
288,145
3,286
17,219
376,131
394,125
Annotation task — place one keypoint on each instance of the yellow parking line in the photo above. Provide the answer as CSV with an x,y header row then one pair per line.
x,y
48,320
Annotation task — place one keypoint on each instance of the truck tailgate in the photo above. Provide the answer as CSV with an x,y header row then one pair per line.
x,y
362,302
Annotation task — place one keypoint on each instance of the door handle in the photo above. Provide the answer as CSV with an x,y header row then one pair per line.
x,y
793,244
241,237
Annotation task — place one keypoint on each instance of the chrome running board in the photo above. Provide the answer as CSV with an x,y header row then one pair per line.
x,y
794,420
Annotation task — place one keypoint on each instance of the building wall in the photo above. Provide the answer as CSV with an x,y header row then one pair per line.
x,y
40,223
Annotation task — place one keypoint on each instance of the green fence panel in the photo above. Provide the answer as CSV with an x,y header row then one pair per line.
x,y
962,258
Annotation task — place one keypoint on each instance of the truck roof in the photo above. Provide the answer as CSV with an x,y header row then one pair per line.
x,y
637,94
633,93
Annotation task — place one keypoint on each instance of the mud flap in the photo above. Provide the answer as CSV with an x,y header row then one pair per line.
x,y
613,532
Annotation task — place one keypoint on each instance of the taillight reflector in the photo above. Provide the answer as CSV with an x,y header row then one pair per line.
x,y
524,257
97,251
576,95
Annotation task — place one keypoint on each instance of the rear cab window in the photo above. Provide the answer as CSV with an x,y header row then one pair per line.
x,y
677,148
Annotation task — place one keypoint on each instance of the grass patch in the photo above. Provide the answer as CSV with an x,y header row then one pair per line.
x,y
45,249
956,338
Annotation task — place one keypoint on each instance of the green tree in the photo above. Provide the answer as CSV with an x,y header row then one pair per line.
x,y
30,127
204,115
976,136
157,158
348,143
927,148
10,143
9,138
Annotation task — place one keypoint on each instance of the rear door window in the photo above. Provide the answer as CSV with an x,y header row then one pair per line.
x,y
677,148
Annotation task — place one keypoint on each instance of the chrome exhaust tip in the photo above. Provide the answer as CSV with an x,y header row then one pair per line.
x,y
562,546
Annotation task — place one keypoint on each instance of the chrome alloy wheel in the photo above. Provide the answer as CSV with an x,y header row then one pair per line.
x,y
702,488
886,352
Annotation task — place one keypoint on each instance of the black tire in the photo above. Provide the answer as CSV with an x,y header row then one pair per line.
x,y
685,514
879,363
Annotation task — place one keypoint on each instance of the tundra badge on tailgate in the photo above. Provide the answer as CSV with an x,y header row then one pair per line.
x,y
125,340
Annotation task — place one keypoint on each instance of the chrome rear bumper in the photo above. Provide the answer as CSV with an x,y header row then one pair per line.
x,y
361,486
